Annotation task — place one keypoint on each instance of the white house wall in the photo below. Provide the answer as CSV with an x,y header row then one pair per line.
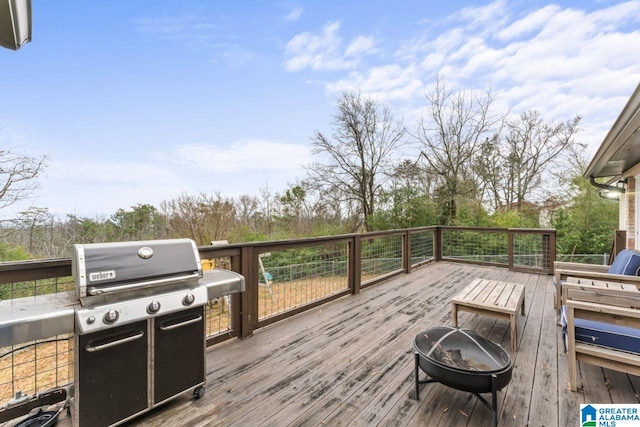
x,y
629,209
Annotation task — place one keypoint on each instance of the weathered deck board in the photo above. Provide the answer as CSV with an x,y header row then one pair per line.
x,y
544,407
350,362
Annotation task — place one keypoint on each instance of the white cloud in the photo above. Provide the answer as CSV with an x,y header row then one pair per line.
x,y
360,45
181,27
93,187
325,51
94,172
562,61
245,156
216,39
528,24
483,18
294,14
232,55
389,82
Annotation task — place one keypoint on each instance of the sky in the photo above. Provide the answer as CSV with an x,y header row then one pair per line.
x,y
143,101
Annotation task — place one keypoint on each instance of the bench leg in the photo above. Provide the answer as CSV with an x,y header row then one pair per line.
x,y
454,314
514,329
571,351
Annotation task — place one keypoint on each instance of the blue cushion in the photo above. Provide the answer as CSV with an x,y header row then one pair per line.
x,y
626,262
603,334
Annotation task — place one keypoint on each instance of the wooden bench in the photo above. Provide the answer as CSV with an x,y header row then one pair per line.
x,y
614,310
491,298
571,271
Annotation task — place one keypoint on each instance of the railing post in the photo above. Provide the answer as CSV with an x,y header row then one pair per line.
x,y
510,235
355,264
236,300
406,252
437,243
249,304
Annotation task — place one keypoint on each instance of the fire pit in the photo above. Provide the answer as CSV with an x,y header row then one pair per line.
x,y
464,360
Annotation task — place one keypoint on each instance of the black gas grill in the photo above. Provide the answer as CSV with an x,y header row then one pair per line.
x,y
140,335
138,319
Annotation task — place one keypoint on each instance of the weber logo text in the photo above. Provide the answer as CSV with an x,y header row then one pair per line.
x,y
98,276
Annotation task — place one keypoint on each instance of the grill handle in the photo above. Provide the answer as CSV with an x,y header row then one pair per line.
x,y
91,348
140,285
181,324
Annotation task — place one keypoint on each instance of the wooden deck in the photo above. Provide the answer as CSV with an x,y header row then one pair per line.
x,y
350,362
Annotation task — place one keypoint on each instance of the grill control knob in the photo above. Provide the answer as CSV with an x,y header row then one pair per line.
x,y
154,307
110,317
188,299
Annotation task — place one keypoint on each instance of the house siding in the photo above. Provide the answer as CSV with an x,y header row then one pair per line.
x,y
631,202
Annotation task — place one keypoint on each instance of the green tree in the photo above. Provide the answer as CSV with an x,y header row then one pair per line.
x,y
13,253
588,224
406,203
143,222
293,206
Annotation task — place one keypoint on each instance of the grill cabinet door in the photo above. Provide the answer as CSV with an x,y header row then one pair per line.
x,y
113,374
178,353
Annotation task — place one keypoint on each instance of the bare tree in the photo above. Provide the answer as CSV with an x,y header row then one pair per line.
x,y
518,163
450,135
203,218
365,136
76,229
31,221
18,173
247,209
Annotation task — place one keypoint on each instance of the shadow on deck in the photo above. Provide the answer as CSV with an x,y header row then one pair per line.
x,y
350,362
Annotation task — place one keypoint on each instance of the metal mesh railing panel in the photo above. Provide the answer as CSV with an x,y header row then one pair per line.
x,y
34,367
33,288
295,277
599,259
217,311
422,247
530,250
478,246
381,256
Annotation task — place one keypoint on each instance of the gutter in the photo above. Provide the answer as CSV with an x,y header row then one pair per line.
x,y
592,181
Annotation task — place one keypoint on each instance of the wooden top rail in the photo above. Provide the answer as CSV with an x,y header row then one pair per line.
x,y
12,272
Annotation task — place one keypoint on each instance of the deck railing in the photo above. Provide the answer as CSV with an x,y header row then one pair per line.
x,y
283,278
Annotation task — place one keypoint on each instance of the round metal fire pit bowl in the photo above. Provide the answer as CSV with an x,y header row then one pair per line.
x,y
464,360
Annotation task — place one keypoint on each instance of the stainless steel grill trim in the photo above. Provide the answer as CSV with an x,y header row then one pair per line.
x,y
181,324
91,348
78,268
141,285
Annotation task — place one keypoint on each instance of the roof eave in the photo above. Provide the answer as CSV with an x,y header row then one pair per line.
x,y
618,151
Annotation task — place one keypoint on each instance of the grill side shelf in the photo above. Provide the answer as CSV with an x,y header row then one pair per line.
x,y
33,318
222,282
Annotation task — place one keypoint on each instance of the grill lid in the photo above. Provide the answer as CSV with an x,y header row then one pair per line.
x,y
100,268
